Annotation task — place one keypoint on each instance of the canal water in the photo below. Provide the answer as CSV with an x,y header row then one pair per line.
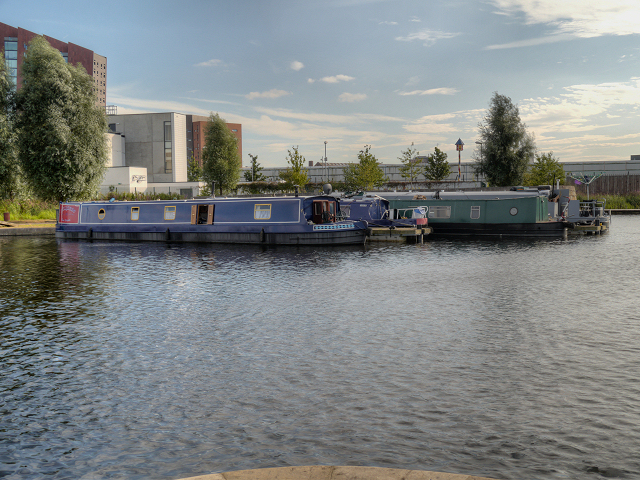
x,y
507,359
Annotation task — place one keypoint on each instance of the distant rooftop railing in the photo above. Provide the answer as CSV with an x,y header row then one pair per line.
x,y
111,109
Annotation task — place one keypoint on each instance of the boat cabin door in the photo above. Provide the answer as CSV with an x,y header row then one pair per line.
x,y
202,214
324,211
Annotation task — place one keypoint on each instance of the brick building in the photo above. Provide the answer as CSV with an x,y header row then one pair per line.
x,y
16,41
196,125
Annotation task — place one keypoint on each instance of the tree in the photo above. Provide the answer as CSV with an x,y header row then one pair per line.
x,y
410,168
62,145
437,167
295,174
9,169
507,148
545,170
194,170
253,174
366,174
220,159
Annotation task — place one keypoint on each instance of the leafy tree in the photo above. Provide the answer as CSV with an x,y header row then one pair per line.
x,y
9,169
545,170
507,148
410,167
61,132
295,174
220,158
254,175
437,167
366,174
194,170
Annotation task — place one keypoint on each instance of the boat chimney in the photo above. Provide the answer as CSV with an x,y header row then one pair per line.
x,y
213,189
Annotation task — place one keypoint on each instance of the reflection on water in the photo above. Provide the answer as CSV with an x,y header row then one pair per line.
x,y
508,359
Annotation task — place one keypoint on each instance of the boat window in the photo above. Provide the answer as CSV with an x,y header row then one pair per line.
x,y
262,211
135,213
101,214
169,213
475,212
440,211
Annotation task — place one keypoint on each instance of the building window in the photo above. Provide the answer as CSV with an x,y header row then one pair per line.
x,y
475,212
167,147
11,58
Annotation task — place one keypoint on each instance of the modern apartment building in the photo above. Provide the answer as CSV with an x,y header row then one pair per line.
x,y
16,41
163,142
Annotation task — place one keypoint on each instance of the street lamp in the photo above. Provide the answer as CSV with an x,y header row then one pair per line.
x,y
480,143
325,159
459,145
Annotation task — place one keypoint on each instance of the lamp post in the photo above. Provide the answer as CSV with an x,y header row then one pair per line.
x,y
480,143
325,160
459,145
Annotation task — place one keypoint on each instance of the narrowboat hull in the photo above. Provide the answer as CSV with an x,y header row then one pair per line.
x,y
346,237
267,221
543,229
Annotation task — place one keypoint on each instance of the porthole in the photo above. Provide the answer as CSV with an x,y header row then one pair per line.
x,y
101,214
513,211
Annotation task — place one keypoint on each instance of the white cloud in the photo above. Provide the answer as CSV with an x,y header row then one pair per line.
x,y
273,93
352,97
432,91
415,19
412,81
337,79
297,66
311,80
388,23
428,37
210,63
577,17
532,42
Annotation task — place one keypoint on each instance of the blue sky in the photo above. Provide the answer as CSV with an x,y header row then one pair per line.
x,y
357,72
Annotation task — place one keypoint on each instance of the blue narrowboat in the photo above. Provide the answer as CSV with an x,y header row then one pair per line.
x,y
313,220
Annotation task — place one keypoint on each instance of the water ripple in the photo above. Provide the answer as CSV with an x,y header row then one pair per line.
x,y
508,359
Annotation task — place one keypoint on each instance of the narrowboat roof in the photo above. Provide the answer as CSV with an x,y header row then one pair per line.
x,y
487,195
212,199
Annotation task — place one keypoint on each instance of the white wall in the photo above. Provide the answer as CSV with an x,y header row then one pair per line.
x,y
179,146
125,179
115,145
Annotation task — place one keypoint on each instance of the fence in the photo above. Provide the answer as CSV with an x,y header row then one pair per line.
x,y
609,185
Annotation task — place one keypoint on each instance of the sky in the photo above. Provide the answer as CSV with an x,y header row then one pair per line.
x,y
383,73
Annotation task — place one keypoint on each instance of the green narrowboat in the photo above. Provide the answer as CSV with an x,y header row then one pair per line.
x,y
503,213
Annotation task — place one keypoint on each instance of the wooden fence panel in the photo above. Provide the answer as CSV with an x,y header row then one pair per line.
x,y
609,185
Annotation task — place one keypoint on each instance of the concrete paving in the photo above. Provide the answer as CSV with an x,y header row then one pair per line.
x,y
28,229
320,472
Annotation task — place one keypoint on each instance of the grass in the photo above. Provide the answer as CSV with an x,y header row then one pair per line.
x,y
631,200
29,209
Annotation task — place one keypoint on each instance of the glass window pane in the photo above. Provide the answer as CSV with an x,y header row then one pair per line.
x,y
12,63
11,54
